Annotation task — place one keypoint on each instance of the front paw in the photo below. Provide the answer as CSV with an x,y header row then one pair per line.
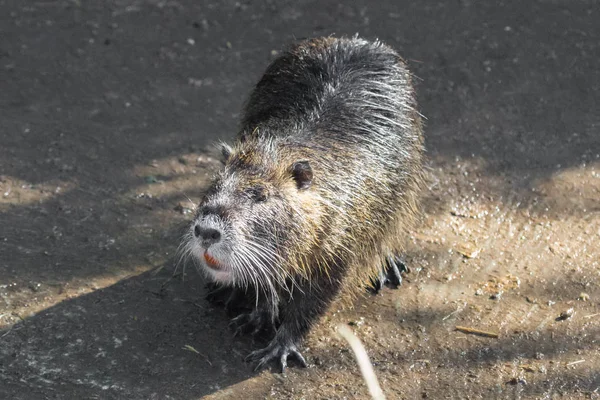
x,y
254,322
395,268
390,275
278,351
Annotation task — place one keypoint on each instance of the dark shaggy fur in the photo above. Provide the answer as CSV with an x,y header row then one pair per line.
x,y
320,188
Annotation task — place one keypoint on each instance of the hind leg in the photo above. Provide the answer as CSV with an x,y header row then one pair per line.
x,y
395,267
390,275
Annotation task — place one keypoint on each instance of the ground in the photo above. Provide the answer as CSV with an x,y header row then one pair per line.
x,y
108,111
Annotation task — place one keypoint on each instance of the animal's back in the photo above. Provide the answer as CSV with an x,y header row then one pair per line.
x,y
337,89
318,191
349,104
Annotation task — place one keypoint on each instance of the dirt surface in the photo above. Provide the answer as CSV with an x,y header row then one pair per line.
x,y
107,113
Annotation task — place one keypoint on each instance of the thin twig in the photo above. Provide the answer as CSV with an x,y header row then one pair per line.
x,y
478,332
193,350
451,314
363,362
454,312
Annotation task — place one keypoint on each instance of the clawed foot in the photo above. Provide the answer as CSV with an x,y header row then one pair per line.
x,y
254,322
391,276
395,267
276,351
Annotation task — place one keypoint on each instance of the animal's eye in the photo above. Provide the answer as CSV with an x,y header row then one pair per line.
x,y
257,193
303,174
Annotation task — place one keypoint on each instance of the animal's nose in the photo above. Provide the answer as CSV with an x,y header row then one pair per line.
x,y
208,236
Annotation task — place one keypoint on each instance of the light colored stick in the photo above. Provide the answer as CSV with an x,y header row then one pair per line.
x,y
363,362
473,331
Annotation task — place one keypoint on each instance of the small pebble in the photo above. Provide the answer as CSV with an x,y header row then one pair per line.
x,y
531,300
566,314
360,322
182,209
583,296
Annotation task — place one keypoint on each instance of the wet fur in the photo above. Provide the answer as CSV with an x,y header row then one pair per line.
x,y
347,107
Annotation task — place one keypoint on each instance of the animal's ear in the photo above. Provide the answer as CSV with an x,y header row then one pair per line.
x,y
303,174
225,152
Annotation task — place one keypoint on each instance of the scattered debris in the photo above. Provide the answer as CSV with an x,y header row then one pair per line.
x,y
190,348
204,160
583,296
200,82
468,250
459,309
193,350
575,362
531,300
366,368
468,209
34,286
566,314
360,322
182,209
496,286
427,238
477,332
517,381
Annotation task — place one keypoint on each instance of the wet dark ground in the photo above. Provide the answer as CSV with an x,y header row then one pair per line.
x,y
107,113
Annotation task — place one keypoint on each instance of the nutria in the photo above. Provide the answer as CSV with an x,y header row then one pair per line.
x,y
319,190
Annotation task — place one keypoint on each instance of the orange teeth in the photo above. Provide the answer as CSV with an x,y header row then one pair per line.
x,y
211,261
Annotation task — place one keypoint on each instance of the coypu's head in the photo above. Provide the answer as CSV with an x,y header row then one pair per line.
x,y
257,216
